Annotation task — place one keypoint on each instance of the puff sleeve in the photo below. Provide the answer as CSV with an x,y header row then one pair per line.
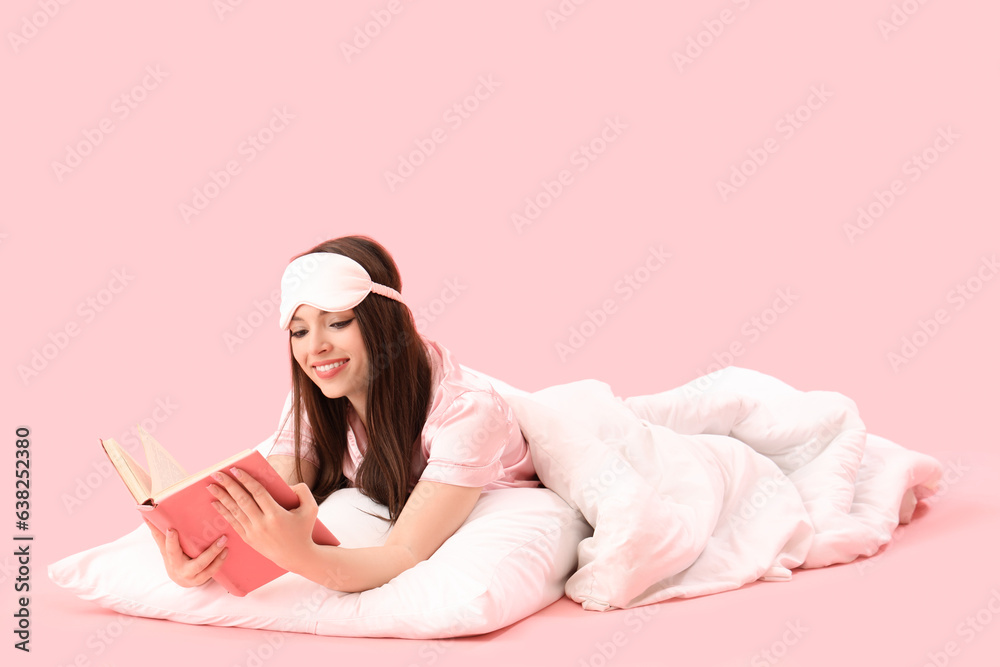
x,y
466,440
283,441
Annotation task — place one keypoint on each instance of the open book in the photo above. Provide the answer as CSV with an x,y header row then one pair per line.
x,y
170,498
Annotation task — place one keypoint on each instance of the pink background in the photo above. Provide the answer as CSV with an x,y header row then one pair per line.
x,y
162,337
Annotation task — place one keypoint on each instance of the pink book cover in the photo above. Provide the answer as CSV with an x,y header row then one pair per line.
x,y
186,507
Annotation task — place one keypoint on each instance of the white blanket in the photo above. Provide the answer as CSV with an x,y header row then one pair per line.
x,y
731,478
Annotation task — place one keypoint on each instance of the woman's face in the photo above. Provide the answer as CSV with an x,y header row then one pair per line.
x,y
321,338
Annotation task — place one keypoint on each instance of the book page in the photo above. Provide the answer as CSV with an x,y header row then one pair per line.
x,y
135,478
163,469
163,494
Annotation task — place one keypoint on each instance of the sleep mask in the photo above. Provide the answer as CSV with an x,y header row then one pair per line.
x,y
328,281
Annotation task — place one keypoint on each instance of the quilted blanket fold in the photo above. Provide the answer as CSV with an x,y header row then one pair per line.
x,y
731,478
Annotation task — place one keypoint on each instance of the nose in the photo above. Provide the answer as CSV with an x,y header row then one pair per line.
x,y
318,344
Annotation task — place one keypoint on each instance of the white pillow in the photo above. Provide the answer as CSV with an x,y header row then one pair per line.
x,y
510,558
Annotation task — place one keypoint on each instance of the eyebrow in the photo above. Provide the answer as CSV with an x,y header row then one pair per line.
x,y
322,313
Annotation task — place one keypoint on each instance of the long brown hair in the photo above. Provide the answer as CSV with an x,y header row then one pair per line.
x,y
399,391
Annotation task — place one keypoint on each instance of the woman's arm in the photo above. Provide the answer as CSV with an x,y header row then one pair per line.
x,y
285,466
432,514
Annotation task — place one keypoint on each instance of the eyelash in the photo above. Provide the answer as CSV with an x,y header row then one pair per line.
x,y
335,325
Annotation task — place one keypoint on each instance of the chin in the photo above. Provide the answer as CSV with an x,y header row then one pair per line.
x,y
331,393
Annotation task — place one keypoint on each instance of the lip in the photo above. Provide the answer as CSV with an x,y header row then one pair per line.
x,y
328,361
326,375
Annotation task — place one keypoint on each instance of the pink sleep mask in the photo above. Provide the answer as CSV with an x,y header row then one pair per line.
x,y
328,281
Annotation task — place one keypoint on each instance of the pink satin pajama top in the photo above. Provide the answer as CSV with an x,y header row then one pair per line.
x,y
471,436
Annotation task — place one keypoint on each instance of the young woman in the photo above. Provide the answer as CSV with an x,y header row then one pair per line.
x,y
376,405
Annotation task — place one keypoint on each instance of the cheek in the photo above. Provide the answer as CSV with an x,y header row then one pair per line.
x,y
362,369
297,355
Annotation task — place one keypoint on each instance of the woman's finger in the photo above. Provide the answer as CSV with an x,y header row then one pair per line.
x,y
212,568
158,537
202,560
261,497
232,520
182,569
174,552
235,498
207,563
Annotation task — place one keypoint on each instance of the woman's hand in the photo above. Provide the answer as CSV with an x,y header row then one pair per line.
x,y
183,570
283,536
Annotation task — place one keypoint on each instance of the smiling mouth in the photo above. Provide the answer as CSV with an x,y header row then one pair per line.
x,y
330,370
